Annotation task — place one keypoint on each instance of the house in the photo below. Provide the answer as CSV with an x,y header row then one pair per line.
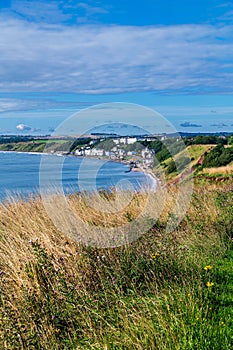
x,y
97,152
121,152
130,153
131,140
87,152
148,162
123,140
79,152
147,153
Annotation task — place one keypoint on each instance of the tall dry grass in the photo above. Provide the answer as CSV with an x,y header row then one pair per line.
x,y
223,170
57,293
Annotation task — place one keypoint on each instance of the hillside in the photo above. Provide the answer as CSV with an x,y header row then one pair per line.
x,y
36,146
202,157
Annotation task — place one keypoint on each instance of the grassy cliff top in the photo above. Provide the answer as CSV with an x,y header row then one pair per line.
x,y
162,291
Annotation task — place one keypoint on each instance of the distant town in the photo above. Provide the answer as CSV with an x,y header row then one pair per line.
x,y
132,149
120,148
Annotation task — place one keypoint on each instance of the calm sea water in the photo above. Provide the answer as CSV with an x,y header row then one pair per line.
x,y
20,174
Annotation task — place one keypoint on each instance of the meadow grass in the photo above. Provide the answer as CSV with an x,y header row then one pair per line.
x,y
163,291
223,170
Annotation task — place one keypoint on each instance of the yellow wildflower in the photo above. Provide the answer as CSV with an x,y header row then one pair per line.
x,y
209,284
155,255
208,267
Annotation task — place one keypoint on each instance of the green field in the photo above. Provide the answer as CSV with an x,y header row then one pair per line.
x,y
35,146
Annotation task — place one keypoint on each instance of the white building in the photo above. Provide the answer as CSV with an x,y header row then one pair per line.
x,y
123,140
79,152
97,152
93,152
148,162
130,153
121,152
87,152
131,140
146,153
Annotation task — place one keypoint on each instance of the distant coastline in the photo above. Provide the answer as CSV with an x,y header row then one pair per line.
x,y
22,175
148,172
204,153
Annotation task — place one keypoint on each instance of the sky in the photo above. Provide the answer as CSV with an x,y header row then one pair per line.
x,y
58,57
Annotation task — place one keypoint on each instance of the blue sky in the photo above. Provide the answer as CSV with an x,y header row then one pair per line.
x,y
58,57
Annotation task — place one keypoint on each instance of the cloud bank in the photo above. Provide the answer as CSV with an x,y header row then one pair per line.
x,y
55,11
190,125
43,102
195,59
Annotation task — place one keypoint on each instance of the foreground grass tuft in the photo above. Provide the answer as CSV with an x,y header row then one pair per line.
x,y
164,291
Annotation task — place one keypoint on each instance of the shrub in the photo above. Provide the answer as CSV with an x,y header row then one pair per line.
x,y
171,167
219,156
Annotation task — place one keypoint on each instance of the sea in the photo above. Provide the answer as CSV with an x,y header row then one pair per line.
x,y
28,174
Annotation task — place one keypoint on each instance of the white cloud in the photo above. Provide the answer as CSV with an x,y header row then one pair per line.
x,y
108,59
23,127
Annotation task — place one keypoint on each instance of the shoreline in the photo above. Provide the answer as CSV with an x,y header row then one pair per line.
x,y
146,171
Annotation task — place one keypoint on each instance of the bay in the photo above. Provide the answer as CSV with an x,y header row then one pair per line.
x,y
20,174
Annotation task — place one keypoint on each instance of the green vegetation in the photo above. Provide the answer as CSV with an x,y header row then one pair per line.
x,y
218,156
107,144
202,156
230,140
165,149
59,145
15,139
171,168
136,147
197,151
205,140
165,291
29,146
80,142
